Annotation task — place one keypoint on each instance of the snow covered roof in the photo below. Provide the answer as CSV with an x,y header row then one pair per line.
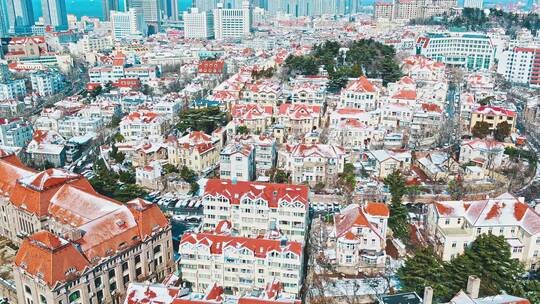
x,y
504,210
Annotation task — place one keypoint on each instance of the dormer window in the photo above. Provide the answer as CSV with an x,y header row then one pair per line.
x,y
70,270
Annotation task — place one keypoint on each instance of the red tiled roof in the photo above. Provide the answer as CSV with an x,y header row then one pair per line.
x,y
377,209
272,193
361,85
50,258
259,247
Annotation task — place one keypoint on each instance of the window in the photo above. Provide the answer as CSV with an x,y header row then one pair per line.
x,y
97,282
124,266
42,299
112,286
137,259
454,245
111,274
74,296
27,289
447,222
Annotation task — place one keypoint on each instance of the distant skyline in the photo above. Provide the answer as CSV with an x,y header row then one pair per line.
x,y
93,8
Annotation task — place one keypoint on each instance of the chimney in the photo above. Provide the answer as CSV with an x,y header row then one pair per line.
x,y
473,286
428,295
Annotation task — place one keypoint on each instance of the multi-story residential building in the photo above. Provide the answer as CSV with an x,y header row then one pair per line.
x,y
396,115
237,162
94,43
359,94
359,237
381,163
121,70
488,154
77,246
299,119
12,89
262,92
473,4
232,23
256,209
265,152
421,68
198,24
316,164
240,263
15,132
128,24
411,9
47,83
71,126
255,117
198,151
47,148
142,124
11,108
383,10
149,176
494,116
521,65
473,51
454,225
308,93
352,134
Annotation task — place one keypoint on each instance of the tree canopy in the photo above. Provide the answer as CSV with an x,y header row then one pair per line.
x,y
399,218
488,258
363,57
205,119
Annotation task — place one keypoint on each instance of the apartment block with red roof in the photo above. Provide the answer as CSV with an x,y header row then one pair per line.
x,y
264,93
256,209
254,116
75,245
487,154
494,116
313,164
140,125
360,94
237,162
299,119
454,225
196,150
358,237
139,293
240,264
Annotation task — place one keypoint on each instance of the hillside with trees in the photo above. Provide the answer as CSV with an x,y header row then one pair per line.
x,y
365,57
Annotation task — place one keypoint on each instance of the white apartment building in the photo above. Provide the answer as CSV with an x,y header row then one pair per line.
x,y
359,94
71,126
521,65
265,152
47,83
12,89
257,209
142,124
359,236
240,263
454,225
315,164
473,4
487,154
198,24
232,23
473,51
15,132
120,70
92,43
128,24
237,162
